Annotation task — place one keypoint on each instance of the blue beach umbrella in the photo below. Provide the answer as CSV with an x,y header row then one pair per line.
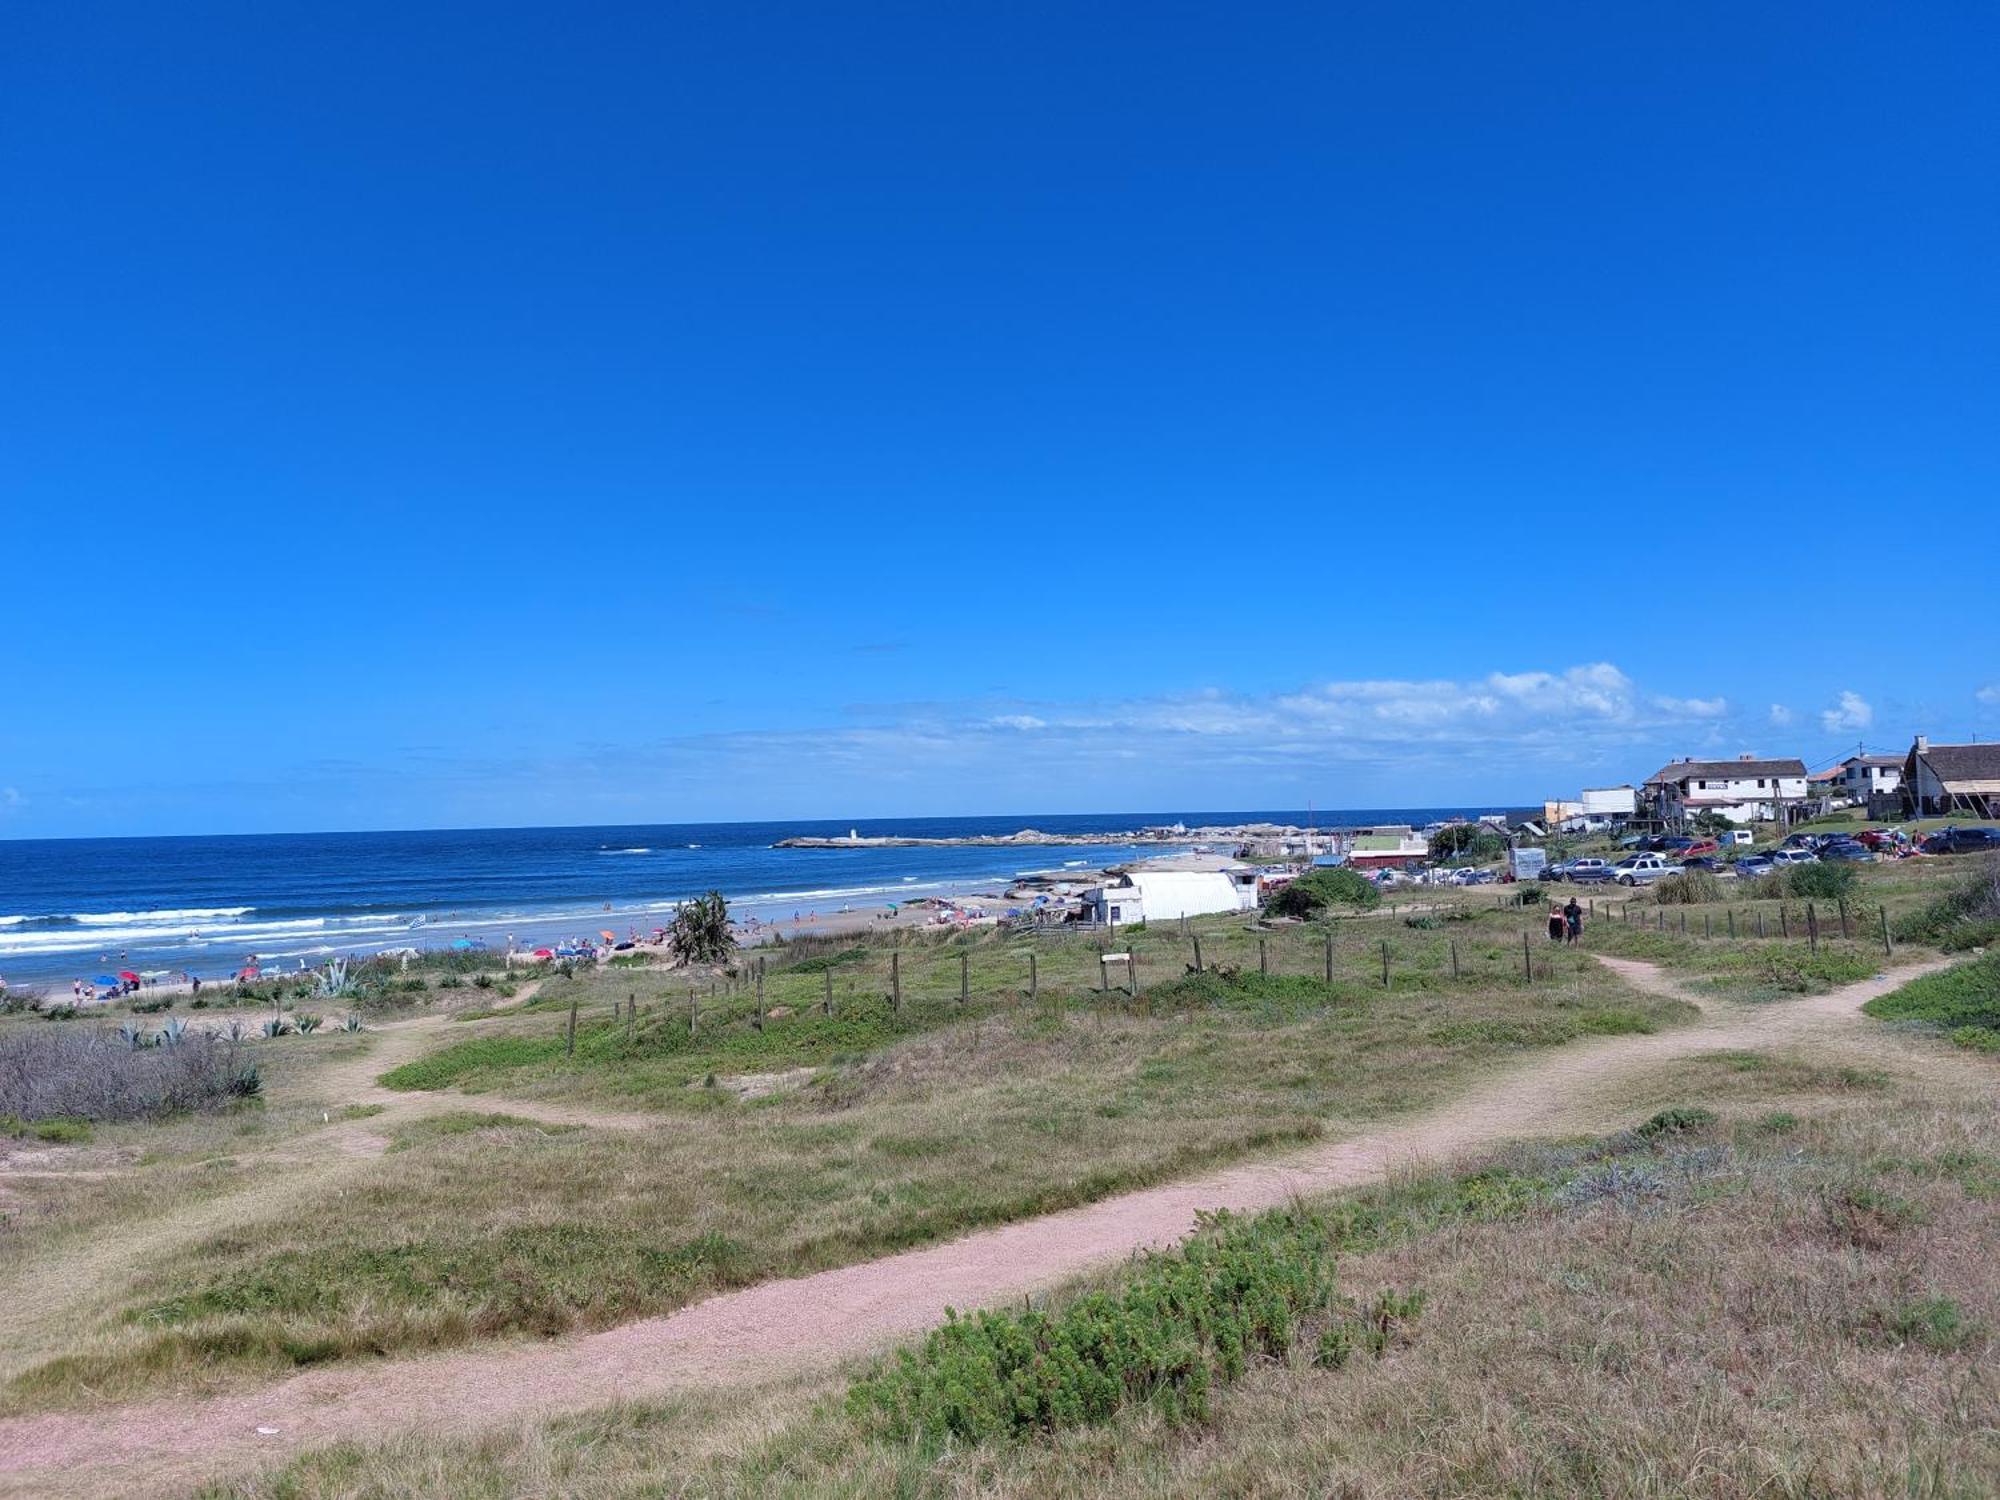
x,y
461,943
109,981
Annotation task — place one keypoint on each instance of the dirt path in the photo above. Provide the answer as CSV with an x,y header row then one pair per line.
x,y
46,1298
834,1315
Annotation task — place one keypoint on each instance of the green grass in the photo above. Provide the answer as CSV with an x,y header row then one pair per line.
x,y
897,1129
1964,1000
1817,1289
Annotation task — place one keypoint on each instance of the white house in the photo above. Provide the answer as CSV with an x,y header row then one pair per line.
x,y
1163,895
1859,775
1743,790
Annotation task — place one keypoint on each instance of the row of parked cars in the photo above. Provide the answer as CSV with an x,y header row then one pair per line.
x,y
1657,855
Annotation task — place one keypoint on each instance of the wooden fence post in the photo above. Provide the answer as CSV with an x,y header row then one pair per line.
x,y
1706,931
1454,958
1132,970
1844,933
1034,978
1885,932
1385,964
896,980
826,1004
1812,927
1197,953
1732,924
964,977
757,1005
569,1047
1103,974
1263,958
1329,958
1760,921
693,1010
1784,923
1527,957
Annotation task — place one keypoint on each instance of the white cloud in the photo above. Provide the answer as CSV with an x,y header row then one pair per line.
x,y
1781,715
1850,713
1989,694
10,798
1694,708
1018,721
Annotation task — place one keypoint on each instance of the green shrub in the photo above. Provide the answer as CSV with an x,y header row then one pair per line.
x,y
1675,1122
1967,916
1964,999
1822,882
1183,1322
1690,888
1316,890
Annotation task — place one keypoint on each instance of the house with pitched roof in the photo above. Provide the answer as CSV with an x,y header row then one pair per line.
x,y
1745,790
1939,780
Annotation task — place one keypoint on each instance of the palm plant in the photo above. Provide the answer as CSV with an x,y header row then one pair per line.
x,y
701,933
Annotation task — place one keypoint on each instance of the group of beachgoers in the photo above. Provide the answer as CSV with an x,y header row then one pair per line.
x,y
1565,922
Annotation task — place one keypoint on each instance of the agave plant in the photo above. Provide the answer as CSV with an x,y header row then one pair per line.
x,y
235,1032
332,982
172,1032
133,1034
350,1023
277,1026
306,1023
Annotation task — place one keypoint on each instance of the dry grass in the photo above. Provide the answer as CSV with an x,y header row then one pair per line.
x,y
1775,1307
955,1118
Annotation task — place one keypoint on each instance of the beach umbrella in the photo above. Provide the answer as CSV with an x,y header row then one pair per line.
x,y
545,953
461,944
607,934
128,974
106,980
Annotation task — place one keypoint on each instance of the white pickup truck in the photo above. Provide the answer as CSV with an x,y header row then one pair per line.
x,y
1643,869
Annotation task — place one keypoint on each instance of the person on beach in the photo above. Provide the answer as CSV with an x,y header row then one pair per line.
x,y
1573,920
1558,924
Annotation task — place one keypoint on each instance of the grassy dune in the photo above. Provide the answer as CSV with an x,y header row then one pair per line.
x,y
1793,1299
882,1130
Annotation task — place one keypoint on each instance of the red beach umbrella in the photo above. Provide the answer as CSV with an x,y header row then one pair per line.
x,y
128,975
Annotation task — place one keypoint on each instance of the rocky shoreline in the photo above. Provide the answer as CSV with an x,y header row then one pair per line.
x,y
1235,833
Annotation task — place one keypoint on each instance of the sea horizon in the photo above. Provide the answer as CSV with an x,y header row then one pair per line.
x,y
74,908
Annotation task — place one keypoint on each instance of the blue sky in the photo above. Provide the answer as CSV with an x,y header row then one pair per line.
x,y
428,414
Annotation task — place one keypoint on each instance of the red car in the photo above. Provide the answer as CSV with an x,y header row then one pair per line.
x,y
1876,838
1698,847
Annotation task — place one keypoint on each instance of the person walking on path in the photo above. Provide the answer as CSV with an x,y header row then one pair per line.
x,y
1558,924
1573,920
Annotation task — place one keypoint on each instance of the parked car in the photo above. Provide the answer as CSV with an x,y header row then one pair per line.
x,y
1963,841
1699,848
1878,838
1570,869
1848,850
1707,862
1751,866
1591,872
1643,869
1794,857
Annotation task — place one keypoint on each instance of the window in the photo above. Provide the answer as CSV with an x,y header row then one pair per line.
x,y
1760,783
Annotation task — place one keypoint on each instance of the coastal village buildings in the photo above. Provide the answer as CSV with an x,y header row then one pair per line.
x,y
1744,790
1939,780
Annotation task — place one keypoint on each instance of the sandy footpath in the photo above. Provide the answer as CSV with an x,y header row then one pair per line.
x,y
782,1326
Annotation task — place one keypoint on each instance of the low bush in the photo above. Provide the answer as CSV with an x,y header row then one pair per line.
x,y
1967,916
1822,882
1964,999
1316,890
1182,1323
1690,888
98,1075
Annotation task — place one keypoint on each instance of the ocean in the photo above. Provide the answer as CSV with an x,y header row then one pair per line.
x,y
79,908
